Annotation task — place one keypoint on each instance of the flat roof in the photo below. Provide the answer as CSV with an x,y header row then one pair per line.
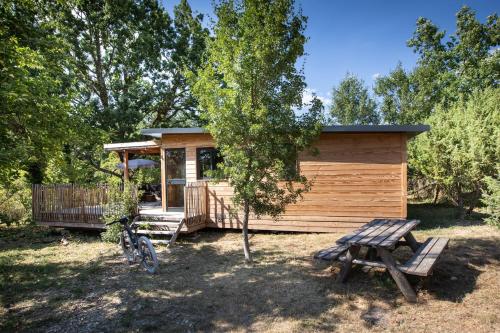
x,y
412,130
139,146
157,132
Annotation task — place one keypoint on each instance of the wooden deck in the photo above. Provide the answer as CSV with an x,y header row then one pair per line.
x,y
154,209
73,206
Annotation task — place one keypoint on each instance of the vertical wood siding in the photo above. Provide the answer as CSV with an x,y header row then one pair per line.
x,y
70,205
356,178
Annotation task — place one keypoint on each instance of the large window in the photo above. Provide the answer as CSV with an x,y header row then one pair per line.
x,y
206,160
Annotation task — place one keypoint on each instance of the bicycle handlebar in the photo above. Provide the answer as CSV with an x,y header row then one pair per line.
x,y
123,220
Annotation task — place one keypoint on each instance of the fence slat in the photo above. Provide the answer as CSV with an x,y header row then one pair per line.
x,y
195,203
69,203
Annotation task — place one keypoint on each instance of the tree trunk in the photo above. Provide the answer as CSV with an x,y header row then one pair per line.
x,y
476,196
460,202
246,244
436,194
101,82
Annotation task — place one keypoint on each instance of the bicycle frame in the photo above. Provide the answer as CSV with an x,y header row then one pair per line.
x,y
132,236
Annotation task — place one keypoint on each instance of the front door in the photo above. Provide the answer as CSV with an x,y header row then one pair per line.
x,y
175,160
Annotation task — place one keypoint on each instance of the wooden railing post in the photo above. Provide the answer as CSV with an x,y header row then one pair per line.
x,y
207,209
186,202
34,201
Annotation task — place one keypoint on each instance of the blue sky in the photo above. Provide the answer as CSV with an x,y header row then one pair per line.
x,y
364,37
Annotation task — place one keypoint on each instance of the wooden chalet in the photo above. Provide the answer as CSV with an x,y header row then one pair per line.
x,y
360,174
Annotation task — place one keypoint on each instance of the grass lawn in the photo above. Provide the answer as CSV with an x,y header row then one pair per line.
x,y
203,285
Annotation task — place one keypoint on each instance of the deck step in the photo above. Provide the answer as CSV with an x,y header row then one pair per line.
x,y
169,229
425,257
155,232
160,216
160,241
159,219
159,224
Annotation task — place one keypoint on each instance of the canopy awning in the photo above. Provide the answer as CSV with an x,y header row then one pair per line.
x,y
139,147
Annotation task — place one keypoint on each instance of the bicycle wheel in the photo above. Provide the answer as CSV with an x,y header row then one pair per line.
x,y
127,246
148,253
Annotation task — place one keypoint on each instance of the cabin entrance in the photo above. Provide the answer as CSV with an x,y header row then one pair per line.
x,y
175,177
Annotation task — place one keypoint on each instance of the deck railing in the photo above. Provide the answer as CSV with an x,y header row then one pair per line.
x,y
70,203
195,203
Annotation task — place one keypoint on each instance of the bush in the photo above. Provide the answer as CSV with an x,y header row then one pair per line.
x,y
112,233
15,203
123,201
461,148
491,198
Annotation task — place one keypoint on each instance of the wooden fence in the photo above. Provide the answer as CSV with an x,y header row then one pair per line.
x,y
195,203
70,205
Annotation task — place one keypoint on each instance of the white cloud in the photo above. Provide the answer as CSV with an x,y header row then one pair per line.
x,y
308,95
376,76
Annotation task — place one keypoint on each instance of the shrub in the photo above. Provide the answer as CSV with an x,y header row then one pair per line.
x,y
461,148
122,201
112,233
491,198
15,203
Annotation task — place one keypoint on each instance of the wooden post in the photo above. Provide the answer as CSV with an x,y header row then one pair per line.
x,y
207,203
346,268
398,276
163,173
186,202
125,166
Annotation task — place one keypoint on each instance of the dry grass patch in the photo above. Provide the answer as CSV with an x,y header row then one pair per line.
x,y
203,285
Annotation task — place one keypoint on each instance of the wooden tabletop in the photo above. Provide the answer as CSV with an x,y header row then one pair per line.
x,y
383,233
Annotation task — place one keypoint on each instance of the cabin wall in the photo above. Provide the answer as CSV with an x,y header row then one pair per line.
x,y
356,178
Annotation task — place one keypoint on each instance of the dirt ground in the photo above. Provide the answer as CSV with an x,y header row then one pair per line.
x,y
203,285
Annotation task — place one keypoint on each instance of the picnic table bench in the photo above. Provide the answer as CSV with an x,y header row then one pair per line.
x,y
381,237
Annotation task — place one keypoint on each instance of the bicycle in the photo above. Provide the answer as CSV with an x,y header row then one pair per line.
x,y
137,247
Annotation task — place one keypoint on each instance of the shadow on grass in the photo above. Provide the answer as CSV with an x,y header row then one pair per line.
x,y
441,216
203,287
456,273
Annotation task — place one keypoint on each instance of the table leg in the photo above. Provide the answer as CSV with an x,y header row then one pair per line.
x,y
346,268
412,242
398,276
371,254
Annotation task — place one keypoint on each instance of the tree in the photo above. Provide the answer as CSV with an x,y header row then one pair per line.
x,y
178,106
447,68
34,92
128,69
351,103
249,88
462,147
399,105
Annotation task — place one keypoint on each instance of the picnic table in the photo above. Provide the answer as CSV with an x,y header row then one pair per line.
x,y
381,237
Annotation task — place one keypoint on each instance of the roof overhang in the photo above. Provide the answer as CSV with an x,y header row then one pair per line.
x,y
410,130
158,132
140,147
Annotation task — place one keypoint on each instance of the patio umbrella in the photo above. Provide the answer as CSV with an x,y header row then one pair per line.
x,y
139,163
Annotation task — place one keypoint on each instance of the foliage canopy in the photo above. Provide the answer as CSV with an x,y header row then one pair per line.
x,y
462,147
448,68
250,88
352,104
